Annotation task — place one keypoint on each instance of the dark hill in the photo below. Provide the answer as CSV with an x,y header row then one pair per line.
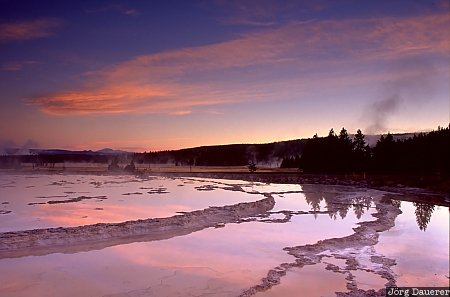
x,y
269,154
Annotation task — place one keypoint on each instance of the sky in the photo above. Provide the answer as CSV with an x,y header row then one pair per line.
x,y
157,75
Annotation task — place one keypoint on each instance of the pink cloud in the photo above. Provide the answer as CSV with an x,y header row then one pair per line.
x,y
120,98
181,112
27,30
268,64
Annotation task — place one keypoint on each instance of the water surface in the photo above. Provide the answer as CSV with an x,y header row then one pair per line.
x,y
222,261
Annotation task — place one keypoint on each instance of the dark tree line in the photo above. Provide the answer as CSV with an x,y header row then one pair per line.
x,y
335,153
266,154
425,153
225,155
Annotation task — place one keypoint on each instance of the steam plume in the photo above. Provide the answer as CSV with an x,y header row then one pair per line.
x,y
412,85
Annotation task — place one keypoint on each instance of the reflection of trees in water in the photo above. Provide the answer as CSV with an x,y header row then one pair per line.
x,y
358,209
332,207
343,212
314,199
361,203
332,214
396,203
423,214
335,204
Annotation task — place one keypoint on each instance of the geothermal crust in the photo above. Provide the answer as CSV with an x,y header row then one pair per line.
x,y
356,249
74,239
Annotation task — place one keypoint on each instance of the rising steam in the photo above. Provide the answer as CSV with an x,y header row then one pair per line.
x,y
412,85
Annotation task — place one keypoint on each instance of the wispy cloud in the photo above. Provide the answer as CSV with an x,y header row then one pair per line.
x,y
116,8
260,13
249,12
181,112
27,30
268,64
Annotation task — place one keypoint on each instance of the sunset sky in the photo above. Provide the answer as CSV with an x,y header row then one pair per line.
x,y
154,75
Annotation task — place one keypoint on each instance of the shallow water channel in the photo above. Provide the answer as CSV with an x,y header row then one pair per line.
x,y
261,254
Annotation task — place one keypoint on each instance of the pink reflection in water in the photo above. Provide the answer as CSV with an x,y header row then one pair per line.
x,y
422,256
116,207
220,262
87,214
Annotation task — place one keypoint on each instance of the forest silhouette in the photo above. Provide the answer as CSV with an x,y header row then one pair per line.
x,y
424,153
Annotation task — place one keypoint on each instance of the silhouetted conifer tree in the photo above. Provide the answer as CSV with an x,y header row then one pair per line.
x,y
344,151
361,152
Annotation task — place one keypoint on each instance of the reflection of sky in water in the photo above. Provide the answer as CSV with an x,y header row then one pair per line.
x,y
366,280
291,202
20,190
116,208
221,262
216,181
270,188
422,256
